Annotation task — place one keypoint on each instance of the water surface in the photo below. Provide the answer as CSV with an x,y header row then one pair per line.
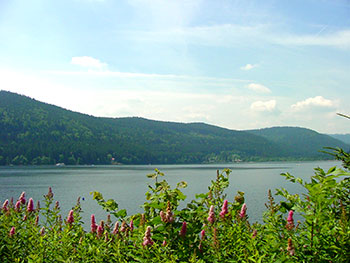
x,y
127,184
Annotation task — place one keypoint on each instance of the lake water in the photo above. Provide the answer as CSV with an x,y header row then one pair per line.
x,y
128,184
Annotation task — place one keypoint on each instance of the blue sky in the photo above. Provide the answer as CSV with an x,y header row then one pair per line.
x,y
236,64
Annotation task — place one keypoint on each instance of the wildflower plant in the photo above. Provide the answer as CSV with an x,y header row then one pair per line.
x,y
210,228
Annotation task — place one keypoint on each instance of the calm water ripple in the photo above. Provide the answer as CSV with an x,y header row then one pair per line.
x,y
128,184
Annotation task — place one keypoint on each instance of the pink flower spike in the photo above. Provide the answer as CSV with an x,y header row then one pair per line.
x,y
164,243
22,198
5,204
211,216
70,218
116,228
30,207
123,227
12,231
147,240
131,225
255,232
202,234
18,206
290,219
93,224
224,209
242,214
50,193
162,216
42,231
100,230
183,229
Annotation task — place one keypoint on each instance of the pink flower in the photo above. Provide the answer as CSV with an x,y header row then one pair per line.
x,y
131,225
255,233
200,247
164,243
163,216
242,214
5,204
100,231
50,193
42,231
70,218
147,240
93,224
169,214
290,219
18,206
183,230
116,228
290,247
202,234
30,206
12,231
22,198
123,227
224,209
211,216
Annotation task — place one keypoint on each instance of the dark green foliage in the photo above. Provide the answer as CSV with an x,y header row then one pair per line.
x,y
33,132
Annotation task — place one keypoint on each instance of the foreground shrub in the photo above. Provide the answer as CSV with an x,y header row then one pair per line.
x,y
210,228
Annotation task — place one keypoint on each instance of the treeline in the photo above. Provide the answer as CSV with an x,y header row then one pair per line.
x,y
33,132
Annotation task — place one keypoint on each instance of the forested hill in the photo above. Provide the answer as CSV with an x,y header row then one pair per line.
x,y
32,132
300,142
341,137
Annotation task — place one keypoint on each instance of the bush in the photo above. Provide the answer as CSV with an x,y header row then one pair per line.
x,y
209,229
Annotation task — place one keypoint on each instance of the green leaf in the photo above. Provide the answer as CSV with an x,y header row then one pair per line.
x,y
111,204
153,176
96,195
121,213
182,184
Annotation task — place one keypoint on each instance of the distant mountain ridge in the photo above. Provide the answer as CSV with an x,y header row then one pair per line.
x,y
341,137
33,132
299,141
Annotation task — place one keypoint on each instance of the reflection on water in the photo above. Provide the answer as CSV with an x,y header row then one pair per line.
x,y
127,184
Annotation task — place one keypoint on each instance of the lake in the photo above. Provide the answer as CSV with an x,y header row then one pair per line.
x,y
127,184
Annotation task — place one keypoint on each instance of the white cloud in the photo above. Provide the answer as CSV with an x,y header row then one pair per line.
x,y
262,106
340,39
258,88
249,66
88,62
317,101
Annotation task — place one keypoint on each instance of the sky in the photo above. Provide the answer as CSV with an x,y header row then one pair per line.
x,y
237,64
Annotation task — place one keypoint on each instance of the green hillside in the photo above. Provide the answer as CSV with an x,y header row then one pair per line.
x,y
300,142
32,132
341,137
